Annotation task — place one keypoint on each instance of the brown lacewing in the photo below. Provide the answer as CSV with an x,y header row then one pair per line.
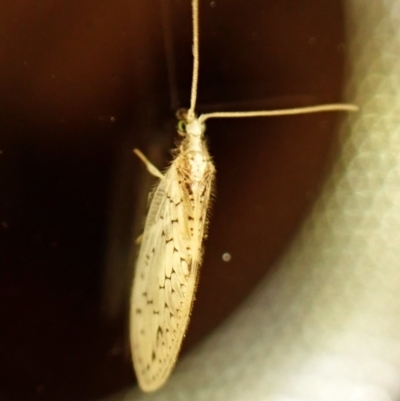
x,y
172,242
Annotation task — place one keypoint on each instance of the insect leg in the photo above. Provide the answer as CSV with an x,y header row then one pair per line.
x,y
151,168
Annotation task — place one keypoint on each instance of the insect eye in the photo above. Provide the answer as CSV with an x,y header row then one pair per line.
x,y
182,126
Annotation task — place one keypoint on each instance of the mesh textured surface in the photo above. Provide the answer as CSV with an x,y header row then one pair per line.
x,y
326,326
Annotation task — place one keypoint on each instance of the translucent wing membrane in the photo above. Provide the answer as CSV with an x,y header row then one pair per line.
x,y
167,270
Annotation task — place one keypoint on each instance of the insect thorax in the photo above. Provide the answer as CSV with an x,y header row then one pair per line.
x,y
195,161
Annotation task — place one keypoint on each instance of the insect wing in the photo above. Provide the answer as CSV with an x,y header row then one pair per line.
x,y
166,275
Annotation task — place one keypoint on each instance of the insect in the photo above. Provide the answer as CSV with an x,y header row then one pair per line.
x,y
171,246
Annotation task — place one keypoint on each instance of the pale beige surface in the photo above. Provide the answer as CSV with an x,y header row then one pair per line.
x,y
327,325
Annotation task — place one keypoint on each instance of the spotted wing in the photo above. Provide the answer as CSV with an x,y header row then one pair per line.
x,y
166,274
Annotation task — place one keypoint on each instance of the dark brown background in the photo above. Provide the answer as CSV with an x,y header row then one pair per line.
x,y
81,84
